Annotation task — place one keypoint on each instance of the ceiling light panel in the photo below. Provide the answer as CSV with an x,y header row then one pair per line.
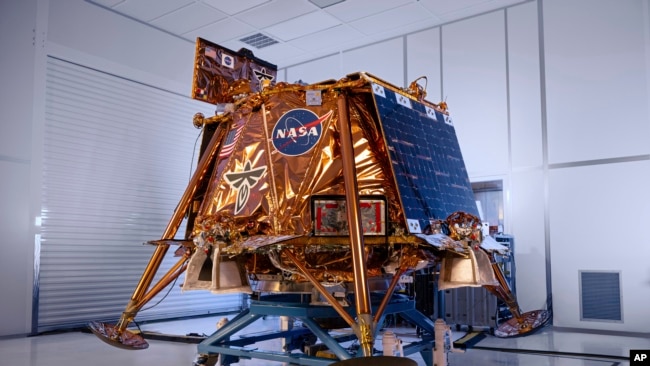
x,y
106,3
302,25
333,38
275,12
440,7
396,18
221,31
148,10
452,10
325,3
189,18
234,7
356,9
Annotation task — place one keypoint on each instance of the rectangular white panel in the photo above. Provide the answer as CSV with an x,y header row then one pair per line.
x,y
524,86
526,198
17,75
597,218
474,85
17,247
384,60
597,73
315,71
423,59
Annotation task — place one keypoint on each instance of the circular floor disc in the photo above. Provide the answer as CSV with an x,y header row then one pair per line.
x,y
376,361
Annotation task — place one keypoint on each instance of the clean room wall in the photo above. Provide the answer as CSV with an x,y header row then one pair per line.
x,y
526,198
474,86
524,87
597,215
527,226
423,59
318,70
16,265
18,40
99,38
596,56
597,79
384,60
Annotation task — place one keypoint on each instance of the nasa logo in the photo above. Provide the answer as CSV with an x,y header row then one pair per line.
x,y
228,61
298,131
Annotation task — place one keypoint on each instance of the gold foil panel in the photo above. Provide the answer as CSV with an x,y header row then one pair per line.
x,y
268,184
216,68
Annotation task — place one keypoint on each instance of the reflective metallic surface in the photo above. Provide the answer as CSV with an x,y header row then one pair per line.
x,y
330,189
222,75
120,338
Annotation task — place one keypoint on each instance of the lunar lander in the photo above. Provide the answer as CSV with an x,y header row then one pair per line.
x,y
317,199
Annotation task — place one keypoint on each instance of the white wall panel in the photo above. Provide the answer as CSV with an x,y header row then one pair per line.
x,y
318,70
597,217
524,86
16,265
99,38
17,58
597,78
423,59
527,223
384,60
474,85
17,20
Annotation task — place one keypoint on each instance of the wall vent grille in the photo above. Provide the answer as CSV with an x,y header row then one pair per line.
x,y
600,296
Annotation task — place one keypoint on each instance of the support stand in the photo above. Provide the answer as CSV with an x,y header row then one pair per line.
x,y
231,350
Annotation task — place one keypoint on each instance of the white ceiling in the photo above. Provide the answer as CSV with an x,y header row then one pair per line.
x,y
303,30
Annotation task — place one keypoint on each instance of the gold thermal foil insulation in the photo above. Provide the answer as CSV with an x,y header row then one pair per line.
x,y
221,74
279,152
334,263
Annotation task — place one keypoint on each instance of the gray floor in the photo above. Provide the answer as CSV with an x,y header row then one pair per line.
x,y
548,346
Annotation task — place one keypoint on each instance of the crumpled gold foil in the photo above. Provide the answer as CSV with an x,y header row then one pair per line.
x,y
258,199
281,202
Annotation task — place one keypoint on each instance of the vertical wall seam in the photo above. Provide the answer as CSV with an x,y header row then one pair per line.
x,y
545,170
405,55
646,24
36,161
508,117
442,94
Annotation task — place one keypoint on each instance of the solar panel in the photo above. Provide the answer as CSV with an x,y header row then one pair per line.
x,y
430,173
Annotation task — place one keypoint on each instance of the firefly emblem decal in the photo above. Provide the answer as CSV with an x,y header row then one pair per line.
x,y
243,182
262,74
297,131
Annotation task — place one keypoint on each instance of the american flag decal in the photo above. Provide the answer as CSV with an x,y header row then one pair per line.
x,y
200,93
231,139
210,52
